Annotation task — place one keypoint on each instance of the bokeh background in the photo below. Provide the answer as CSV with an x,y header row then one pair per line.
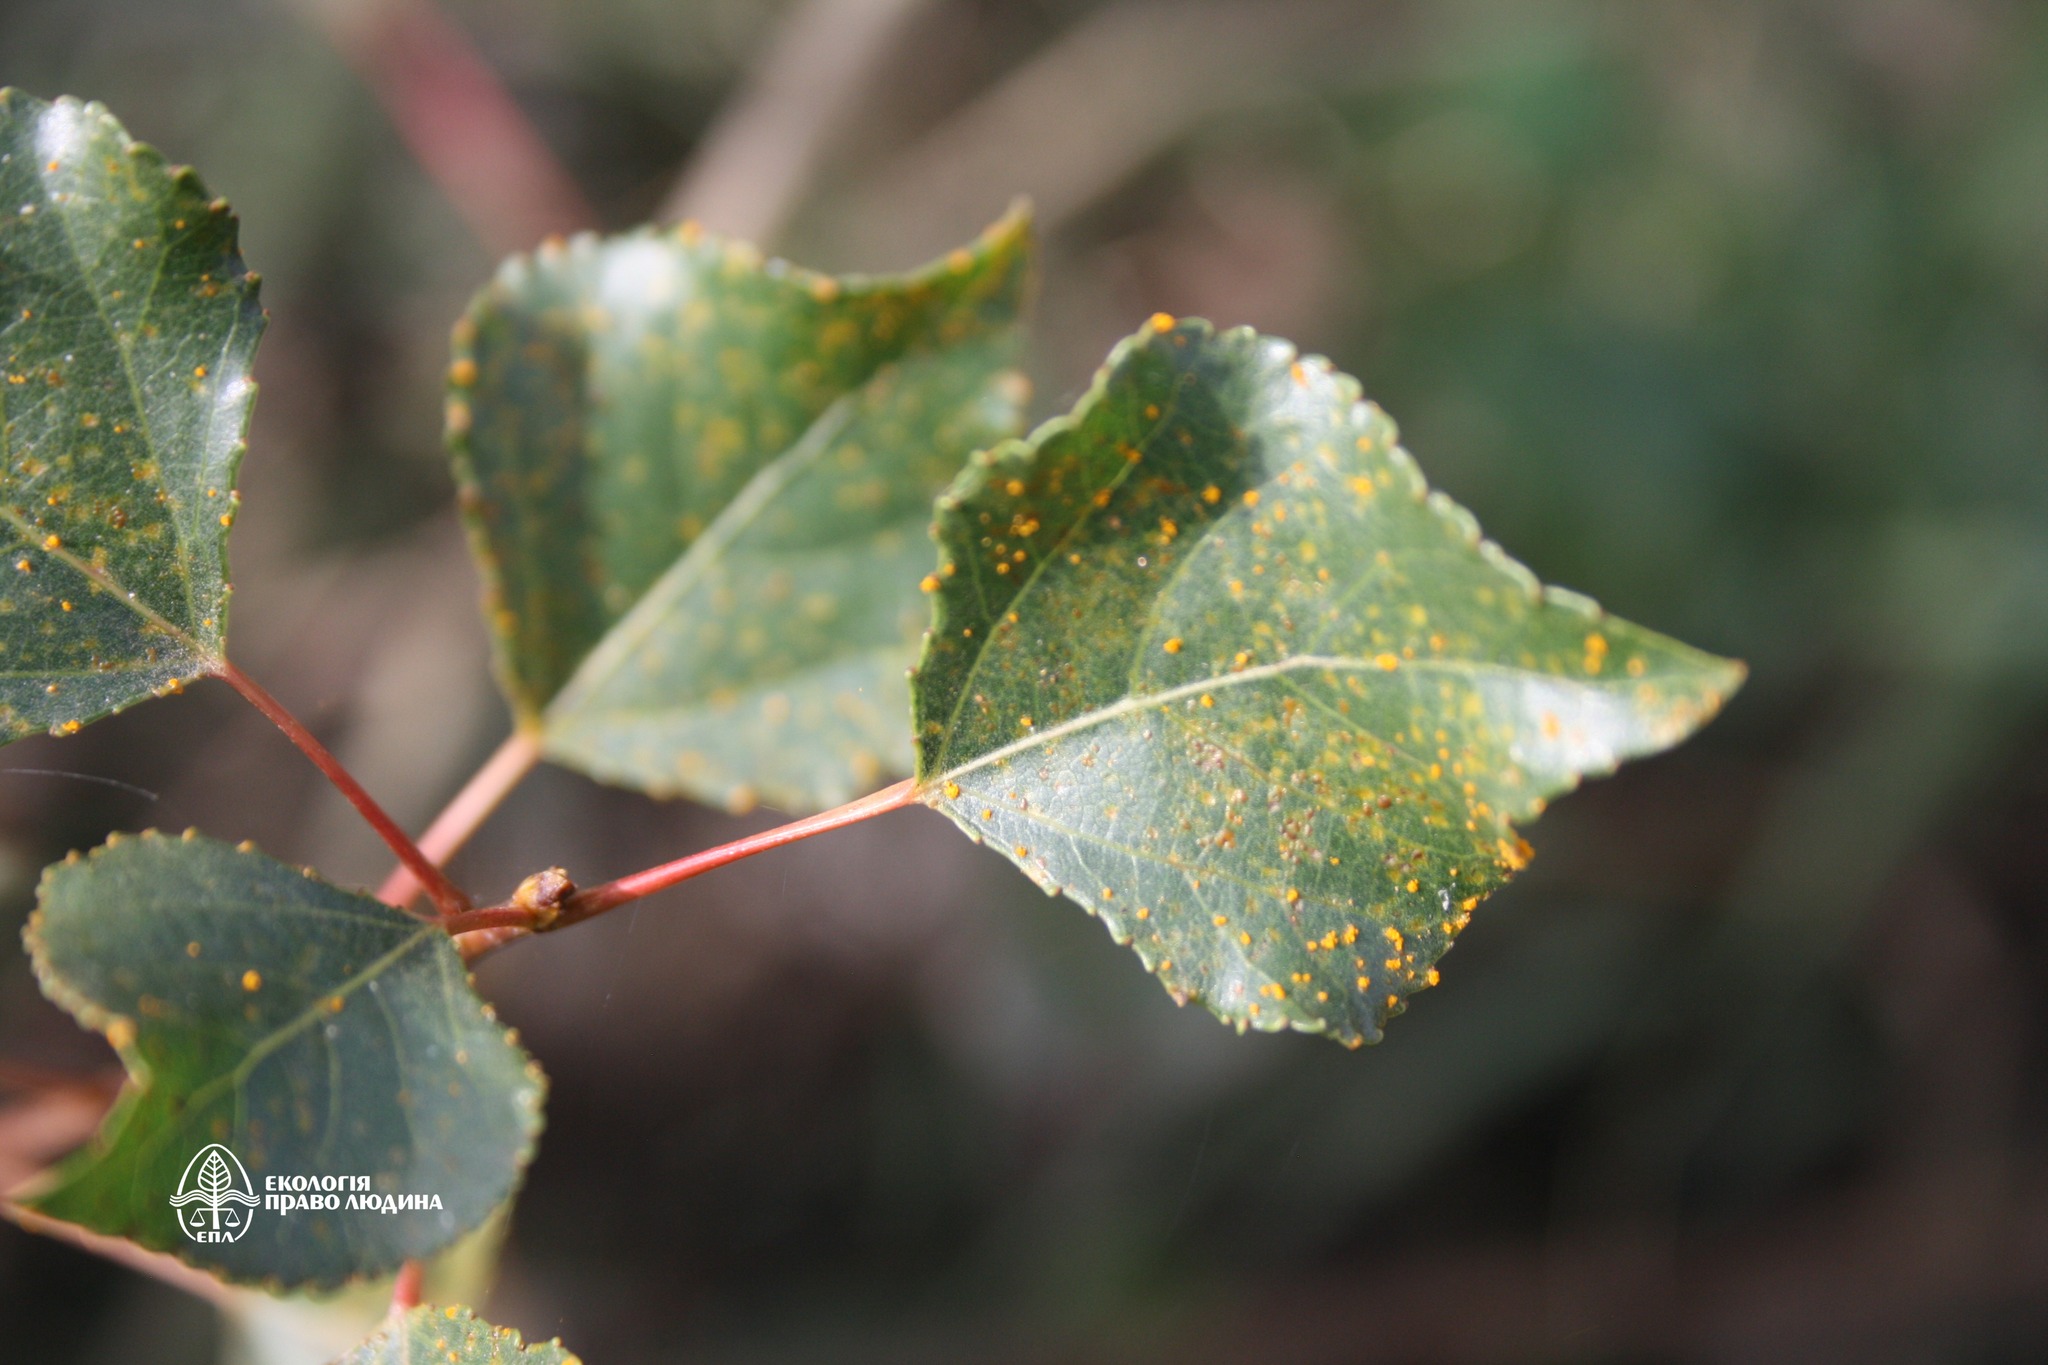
x,y
1733,313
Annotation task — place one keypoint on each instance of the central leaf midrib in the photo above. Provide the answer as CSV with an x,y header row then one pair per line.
x,y
1125,705
615,647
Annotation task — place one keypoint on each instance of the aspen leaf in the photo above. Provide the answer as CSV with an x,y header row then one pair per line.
x,y
308,1031
611,398
127,326
1209,657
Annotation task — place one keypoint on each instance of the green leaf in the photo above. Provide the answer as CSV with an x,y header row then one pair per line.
x,y
452,1336
309,1030
127,324
1210,658
769,661
610,397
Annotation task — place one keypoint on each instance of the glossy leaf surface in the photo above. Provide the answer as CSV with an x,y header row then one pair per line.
x,y
610,397
1211,659
310,1031
769,661
127,325
452,1336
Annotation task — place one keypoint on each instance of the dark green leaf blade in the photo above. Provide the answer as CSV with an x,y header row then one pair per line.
x,y
1210,658
127,327
310,1030
610,397
452,1336
769,661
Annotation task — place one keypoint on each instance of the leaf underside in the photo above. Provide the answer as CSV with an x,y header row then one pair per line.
x,y
311,1030
127,327
452,1336
610,398
768,663
1210,658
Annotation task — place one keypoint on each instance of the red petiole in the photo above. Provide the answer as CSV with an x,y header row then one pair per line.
x,y
447,897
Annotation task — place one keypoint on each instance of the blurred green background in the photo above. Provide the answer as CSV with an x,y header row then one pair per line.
x,y
1732,314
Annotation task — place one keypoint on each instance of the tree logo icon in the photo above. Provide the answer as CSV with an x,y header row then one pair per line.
x,y
215,1201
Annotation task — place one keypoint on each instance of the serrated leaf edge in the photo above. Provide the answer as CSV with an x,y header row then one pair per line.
x,y
1011,457
1013,228
247,286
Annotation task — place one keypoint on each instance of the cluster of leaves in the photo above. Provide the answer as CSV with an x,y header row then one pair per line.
x,y
1206,655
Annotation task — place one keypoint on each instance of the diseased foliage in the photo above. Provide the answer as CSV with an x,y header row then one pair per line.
x,y
313,1031
1210,658
1206,655
127,325
611,398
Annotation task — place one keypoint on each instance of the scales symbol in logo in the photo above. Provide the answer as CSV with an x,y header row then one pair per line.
x,y
215,1201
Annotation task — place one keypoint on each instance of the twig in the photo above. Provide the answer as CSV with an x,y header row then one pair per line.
x,y
1091,108
594,901
750,169
446,896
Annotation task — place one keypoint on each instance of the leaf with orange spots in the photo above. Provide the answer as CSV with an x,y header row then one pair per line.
x,y
308,1030
452,1336
610,398
127,326
1210,657
768,662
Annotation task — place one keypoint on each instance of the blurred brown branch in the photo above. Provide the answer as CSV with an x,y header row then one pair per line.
x,y
755,161
1089,109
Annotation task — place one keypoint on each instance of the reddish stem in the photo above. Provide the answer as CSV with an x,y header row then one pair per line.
x,y
446,896
451,829
593,901
405,1290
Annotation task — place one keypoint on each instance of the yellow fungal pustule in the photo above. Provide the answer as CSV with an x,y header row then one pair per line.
x,y
252,980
